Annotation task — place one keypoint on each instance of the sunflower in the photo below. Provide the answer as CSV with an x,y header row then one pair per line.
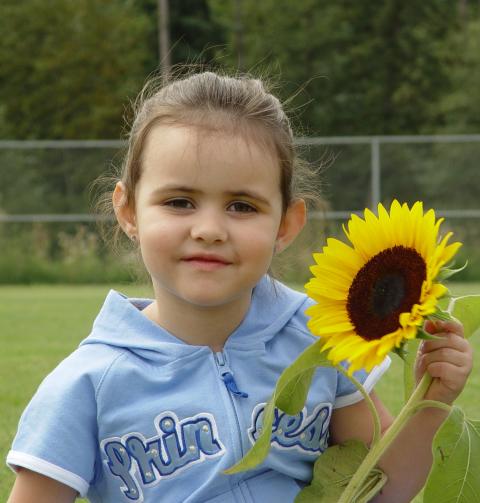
x,y
373,296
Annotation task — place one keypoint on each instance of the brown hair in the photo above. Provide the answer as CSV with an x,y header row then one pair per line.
x,y
206,99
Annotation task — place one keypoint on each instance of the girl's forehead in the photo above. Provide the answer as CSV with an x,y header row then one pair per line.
x,y
196,153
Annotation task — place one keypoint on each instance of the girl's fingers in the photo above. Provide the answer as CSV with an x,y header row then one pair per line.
x,y
447,355
448,360
433,327
449,374
450,340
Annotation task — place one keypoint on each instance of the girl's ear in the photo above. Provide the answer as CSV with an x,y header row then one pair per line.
x,y
292,223
125,215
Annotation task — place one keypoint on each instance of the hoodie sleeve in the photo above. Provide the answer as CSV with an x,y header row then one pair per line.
x,y
57,433
347,393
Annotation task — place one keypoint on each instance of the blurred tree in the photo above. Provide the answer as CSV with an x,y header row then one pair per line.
x,y
376,67
194,34
456,165
67,69
460,107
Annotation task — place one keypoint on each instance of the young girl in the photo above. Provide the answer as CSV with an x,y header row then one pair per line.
x,y
165,394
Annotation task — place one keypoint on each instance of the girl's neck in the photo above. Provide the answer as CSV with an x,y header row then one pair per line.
x,y
198,325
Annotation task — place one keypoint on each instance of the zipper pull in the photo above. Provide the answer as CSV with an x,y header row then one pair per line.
x,y
227,376
232,385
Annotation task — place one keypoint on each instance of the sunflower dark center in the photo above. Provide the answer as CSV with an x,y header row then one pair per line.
x,y
390,283
388,294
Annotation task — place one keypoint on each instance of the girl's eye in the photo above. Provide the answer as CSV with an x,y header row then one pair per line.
x,y
242,207
179,203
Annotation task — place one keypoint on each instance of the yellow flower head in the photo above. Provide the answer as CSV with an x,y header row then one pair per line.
x,y
373,295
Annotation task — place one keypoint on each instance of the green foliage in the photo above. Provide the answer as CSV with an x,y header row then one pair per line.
x,y
59,254
377,69
193,32
448,272
79,64
399,67
32,253
456,449
467,309
459,106
76,65
51,180
334,469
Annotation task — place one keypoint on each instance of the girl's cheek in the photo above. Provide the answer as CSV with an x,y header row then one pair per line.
x,y
265,239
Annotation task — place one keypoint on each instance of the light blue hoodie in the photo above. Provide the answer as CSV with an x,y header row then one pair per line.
x,y
135,414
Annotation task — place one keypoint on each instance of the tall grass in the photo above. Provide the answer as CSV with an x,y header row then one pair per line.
x,y
53,253
73,253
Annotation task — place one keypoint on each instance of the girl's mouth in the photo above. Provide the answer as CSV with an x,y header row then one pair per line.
x,y
207,262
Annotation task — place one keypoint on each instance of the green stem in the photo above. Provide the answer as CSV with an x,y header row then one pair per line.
x,y
411,348
433,403
368,401
378,449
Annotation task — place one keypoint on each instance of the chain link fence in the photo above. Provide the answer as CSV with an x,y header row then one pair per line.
x,y
46,217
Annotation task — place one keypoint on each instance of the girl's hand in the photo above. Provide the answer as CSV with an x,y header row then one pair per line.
x,y
449,360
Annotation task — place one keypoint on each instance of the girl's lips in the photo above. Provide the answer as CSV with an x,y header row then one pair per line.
x,y
206,258
207,263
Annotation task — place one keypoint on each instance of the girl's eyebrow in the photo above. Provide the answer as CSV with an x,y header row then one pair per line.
x,y
173,188
250,194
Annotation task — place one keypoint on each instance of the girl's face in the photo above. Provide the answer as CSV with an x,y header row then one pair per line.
x,y
208,214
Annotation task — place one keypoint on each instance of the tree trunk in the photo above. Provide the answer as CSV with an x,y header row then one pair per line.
x,y
164,38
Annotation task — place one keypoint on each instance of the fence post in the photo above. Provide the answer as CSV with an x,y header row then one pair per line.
x,y
375,171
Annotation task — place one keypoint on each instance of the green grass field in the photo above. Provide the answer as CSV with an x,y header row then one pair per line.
x,y
40,325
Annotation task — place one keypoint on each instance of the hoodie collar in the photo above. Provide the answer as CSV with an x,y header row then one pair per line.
x,y
121,324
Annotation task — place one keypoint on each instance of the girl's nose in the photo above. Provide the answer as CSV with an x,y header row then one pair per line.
x,y
209,227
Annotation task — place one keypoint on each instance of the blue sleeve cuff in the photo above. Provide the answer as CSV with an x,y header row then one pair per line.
x,y
17,459
368,381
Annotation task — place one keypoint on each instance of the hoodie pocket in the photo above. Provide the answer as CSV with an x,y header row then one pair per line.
x,y
272,486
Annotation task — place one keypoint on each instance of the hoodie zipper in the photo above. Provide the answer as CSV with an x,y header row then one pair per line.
x,y
226,375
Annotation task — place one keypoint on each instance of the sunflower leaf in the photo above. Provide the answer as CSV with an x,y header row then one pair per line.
x,y
401,351
444,301
292,398
456,449
294,383
467,310
334,469
294,379
447,272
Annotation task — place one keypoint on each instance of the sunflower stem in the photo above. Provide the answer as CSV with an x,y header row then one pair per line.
x,y
368,401
433,403
378,449
408,368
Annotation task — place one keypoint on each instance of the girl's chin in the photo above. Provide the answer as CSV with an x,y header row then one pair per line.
x,y
209,298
